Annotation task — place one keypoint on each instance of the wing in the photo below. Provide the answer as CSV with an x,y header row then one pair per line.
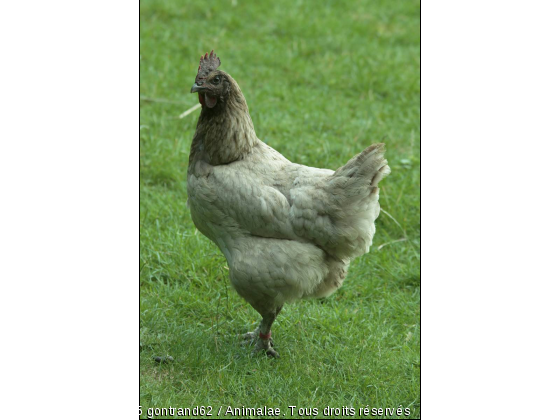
x,y
234,198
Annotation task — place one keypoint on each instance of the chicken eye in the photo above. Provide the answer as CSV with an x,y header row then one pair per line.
x,y
216,80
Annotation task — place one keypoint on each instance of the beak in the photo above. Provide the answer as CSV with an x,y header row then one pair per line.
x,y
196,88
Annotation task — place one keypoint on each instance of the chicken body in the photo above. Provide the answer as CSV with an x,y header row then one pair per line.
x,y
288,231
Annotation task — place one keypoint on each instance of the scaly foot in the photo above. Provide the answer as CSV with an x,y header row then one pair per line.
x,y
252,337
265,345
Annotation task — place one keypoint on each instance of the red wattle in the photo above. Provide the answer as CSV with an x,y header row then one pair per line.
x,y
201,99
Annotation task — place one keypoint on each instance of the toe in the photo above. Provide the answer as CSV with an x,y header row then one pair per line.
x,y
250,336
272,353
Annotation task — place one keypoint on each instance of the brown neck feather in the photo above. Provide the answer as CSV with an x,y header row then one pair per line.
x,y
224,133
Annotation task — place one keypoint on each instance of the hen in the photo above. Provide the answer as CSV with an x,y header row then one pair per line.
x,y
288,231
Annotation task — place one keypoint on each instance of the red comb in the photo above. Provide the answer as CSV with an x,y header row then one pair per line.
x,y
208,63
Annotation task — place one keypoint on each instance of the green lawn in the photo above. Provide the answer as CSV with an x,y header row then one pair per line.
x,y
323,80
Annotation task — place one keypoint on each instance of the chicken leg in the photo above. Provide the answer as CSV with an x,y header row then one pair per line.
x,y
262,335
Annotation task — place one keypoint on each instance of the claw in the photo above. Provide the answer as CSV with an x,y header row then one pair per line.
x,y
253,337
272,353
267,345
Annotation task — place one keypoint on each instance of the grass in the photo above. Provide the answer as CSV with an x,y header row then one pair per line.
x,y
323,80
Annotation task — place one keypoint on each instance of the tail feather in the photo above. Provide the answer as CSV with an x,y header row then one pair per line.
x,y
362,173
339,214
